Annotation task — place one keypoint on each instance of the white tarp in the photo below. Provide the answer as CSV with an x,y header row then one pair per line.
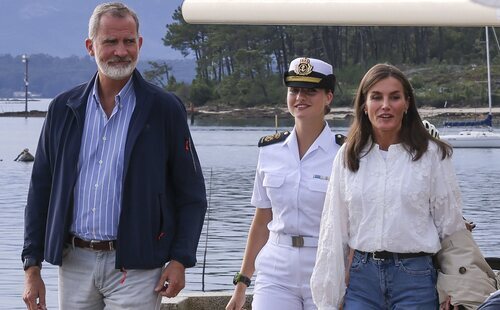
x,y
460,13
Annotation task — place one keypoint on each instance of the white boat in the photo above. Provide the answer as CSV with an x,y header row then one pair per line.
x,y
479,137
473,139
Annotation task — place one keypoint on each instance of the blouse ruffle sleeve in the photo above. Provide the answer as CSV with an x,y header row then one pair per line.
x,y
445,201
328,277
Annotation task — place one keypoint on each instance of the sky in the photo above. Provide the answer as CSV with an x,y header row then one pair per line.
x,y
60,27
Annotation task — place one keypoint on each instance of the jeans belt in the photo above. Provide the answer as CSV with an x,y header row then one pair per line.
x,y
294,241
96,245
391,255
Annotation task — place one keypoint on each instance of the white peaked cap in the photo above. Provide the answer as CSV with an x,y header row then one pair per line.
x,y
317,65
310,73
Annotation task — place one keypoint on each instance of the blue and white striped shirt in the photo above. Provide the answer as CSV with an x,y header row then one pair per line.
x,y
98,189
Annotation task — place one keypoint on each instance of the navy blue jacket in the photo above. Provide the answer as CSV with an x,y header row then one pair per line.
x,y
163,198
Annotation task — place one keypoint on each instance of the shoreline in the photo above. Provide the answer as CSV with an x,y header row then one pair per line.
x,y
336,113
342,113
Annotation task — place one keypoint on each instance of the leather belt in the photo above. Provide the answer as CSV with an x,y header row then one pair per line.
x,y
391,255
96,245
294,241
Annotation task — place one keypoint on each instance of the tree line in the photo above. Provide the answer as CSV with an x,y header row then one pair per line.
x,y
49,75
243,65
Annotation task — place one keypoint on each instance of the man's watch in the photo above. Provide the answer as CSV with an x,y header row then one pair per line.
x,y
238,277
31,261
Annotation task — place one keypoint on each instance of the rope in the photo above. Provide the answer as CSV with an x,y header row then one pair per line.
x,y
206,235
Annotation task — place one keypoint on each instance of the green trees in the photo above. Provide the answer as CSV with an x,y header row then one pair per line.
x,y
242,65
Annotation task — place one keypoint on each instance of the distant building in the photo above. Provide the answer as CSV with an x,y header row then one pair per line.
x,y
21,94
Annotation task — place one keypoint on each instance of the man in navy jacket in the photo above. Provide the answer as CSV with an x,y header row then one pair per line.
x,y
153,164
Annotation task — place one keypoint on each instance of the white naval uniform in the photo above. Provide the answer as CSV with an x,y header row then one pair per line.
x,y
295,190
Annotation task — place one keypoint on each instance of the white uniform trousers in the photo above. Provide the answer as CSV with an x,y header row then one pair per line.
x,y
283,275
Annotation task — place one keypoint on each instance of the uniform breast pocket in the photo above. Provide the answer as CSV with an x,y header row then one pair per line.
x,y
318,185
274,185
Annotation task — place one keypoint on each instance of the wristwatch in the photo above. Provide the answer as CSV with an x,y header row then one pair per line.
x,y
31,261
238,277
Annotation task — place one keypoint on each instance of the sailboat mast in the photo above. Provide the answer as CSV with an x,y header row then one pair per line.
x,y
488,68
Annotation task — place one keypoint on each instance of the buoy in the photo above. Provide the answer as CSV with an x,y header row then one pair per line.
x,y
25,156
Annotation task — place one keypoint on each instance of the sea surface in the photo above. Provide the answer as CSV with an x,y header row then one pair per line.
x,y
228,155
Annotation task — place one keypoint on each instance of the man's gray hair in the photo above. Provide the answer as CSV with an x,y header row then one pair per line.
x,y
116,9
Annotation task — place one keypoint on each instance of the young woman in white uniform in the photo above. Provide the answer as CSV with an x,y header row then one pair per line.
x,y
289,191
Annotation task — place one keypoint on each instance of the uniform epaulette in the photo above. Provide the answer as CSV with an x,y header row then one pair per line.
x,y
340,139
271,139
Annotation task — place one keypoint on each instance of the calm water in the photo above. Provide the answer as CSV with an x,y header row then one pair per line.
x,y
18,105
228,156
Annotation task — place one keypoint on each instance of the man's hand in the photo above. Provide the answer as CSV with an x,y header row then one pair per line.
x,y
34,289
172,280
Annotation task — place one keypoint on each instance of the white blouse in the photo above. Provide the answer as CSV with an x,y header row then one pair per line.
x,y
390,204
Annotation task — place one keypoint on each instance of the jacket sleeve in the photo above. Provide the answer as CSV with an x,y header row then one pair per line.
x,y
188,187
328,277
463,272
446,201
35,213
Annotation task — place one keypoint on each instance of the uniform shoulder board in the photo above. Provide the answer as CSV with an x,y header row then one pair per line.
x,y
271,139
340,139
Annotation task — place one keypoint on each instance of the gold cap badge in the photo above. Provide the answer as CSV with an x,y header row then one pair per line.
x,y
304,67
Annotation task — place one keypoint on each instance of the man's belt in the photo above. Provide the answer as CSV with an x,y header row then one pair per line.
x,y
96,245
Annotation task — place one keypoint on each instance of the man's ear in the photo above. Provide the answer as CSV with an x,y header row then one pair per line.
x,y
140,42
90,46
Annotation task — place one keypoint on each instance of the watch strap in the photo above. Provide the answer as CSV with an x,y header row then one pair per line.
x,y
238,277
30,262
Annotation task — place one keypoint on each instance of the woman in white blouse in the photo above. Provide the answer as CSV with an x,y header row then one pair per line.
x,y
393,195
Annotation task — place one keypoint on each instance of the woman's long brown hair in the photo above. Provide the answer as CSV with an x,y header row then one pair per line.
x,y
414,137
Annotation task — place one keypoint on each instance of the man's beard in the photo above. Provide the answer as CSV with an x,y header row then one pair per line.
x,y
116,72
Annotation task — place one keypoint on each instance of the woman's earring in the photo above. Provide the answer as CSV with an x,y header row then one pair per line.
x,y
366,112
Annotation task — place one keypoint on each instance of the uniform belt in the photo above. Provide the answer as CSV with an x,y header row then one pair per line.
x,y
294,241
96,245
391,255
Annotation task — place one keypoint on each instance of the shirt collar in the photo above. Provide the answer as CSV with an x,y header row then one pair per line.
x,y
324,140
125,91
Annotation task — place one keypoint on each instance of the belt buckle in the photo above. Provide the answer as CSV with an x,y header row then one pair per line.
x,y
91,244
374,256
297,241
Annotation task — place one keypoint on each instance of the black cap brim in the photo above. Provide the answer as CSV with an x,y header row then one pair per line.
x,y
302,84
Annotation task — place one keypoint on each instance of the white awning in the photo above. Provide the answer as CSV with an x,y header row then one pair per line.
x,y
462,13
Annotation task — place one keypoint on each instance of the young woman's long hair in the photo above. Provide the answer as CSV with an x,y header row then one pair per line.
x,y
413,135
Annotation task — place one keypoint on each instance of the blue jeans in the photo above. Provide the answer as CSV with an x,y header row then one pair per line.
x,y
395,284
492,303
